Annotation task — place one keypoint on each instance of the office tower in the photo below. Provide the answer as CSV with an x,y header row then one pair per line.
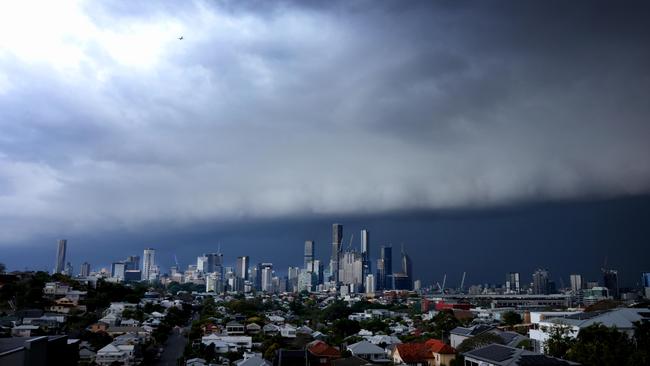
x,y
68,269
202,263
351,268
610,280
85,269
309,255
213,282
118,270
132,263
267,276
365,252
645,279
370,284
404,279
292,278
417,285
576,282
379,278
60,256
512,282
256,277
541,282
337,238
318,271
148,263
306,281
241,270
385,273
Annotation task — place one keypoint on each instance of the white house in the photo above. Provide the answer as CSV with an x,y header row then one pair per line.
x,y
622,319
368,352
123,353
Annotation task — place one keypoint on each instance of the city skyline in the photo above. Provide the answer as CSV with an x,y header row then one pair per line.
x,y
629,277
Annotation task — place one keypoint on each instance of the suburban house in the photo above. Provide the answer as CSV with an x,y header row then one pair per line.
x,y
368,352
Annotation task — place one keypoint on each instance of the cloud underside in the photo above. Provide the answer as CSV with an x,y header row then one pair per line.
x,y
109,121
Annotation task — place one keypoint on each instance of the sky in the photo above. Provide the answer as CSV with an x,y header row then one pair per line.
x,y
287,113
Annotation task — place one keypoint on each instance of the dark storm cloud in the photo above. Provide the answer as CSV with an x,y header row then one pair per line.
x,y
282,109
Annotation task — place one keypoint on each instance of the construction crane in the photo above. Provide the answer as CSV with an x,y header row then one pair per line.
x,y
350,243
444,281
462,282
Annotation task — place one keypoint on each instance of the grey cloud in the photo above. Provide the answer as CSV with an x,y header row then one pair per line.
x,y
290,109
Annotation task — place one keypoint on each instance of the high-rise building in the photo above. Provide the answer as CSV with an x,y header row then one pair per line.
x,y
241,270
309,254
118,270
256,276
541,285
576,282
512,282
337,238
68,269
385,268
85,269
132,263
202,263
293,275
318,270
370,284
404,279
351,269
60,256
148,264
610,280
645,279
417,285
365,252
267,277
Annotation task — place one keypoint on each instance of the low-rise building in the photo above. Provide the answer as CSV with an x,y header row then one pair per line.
x,y
368,352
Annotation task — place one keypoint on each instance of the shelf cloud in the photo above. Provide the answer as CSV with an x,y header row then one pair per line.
x,y
264,110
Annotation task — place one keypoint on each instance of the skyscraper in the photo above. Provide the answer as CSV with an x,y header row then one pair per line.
x,y
241,270
337,238
60,256
370,284
541,282
85,269
148,263
365,252
512,282
576,282
309,255
645,279
267,277
132,263
118,270
351,269
385,268
610,280
404,279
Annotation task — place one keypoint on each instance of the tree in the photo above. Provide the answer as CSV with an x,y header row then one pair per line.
x,y
600,345
641,355
343,328
558,343
511,318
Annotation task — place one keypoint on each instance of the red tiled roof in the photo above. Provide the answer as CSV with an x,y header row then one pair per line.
x,y
322,349
437,346
414,352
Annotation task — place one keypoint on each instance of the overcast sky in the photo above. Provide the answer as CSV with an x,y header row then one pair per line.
x,y
276,110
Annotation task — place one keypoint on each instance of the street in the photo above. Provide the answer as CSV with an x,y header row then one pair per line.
x,y
173,348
